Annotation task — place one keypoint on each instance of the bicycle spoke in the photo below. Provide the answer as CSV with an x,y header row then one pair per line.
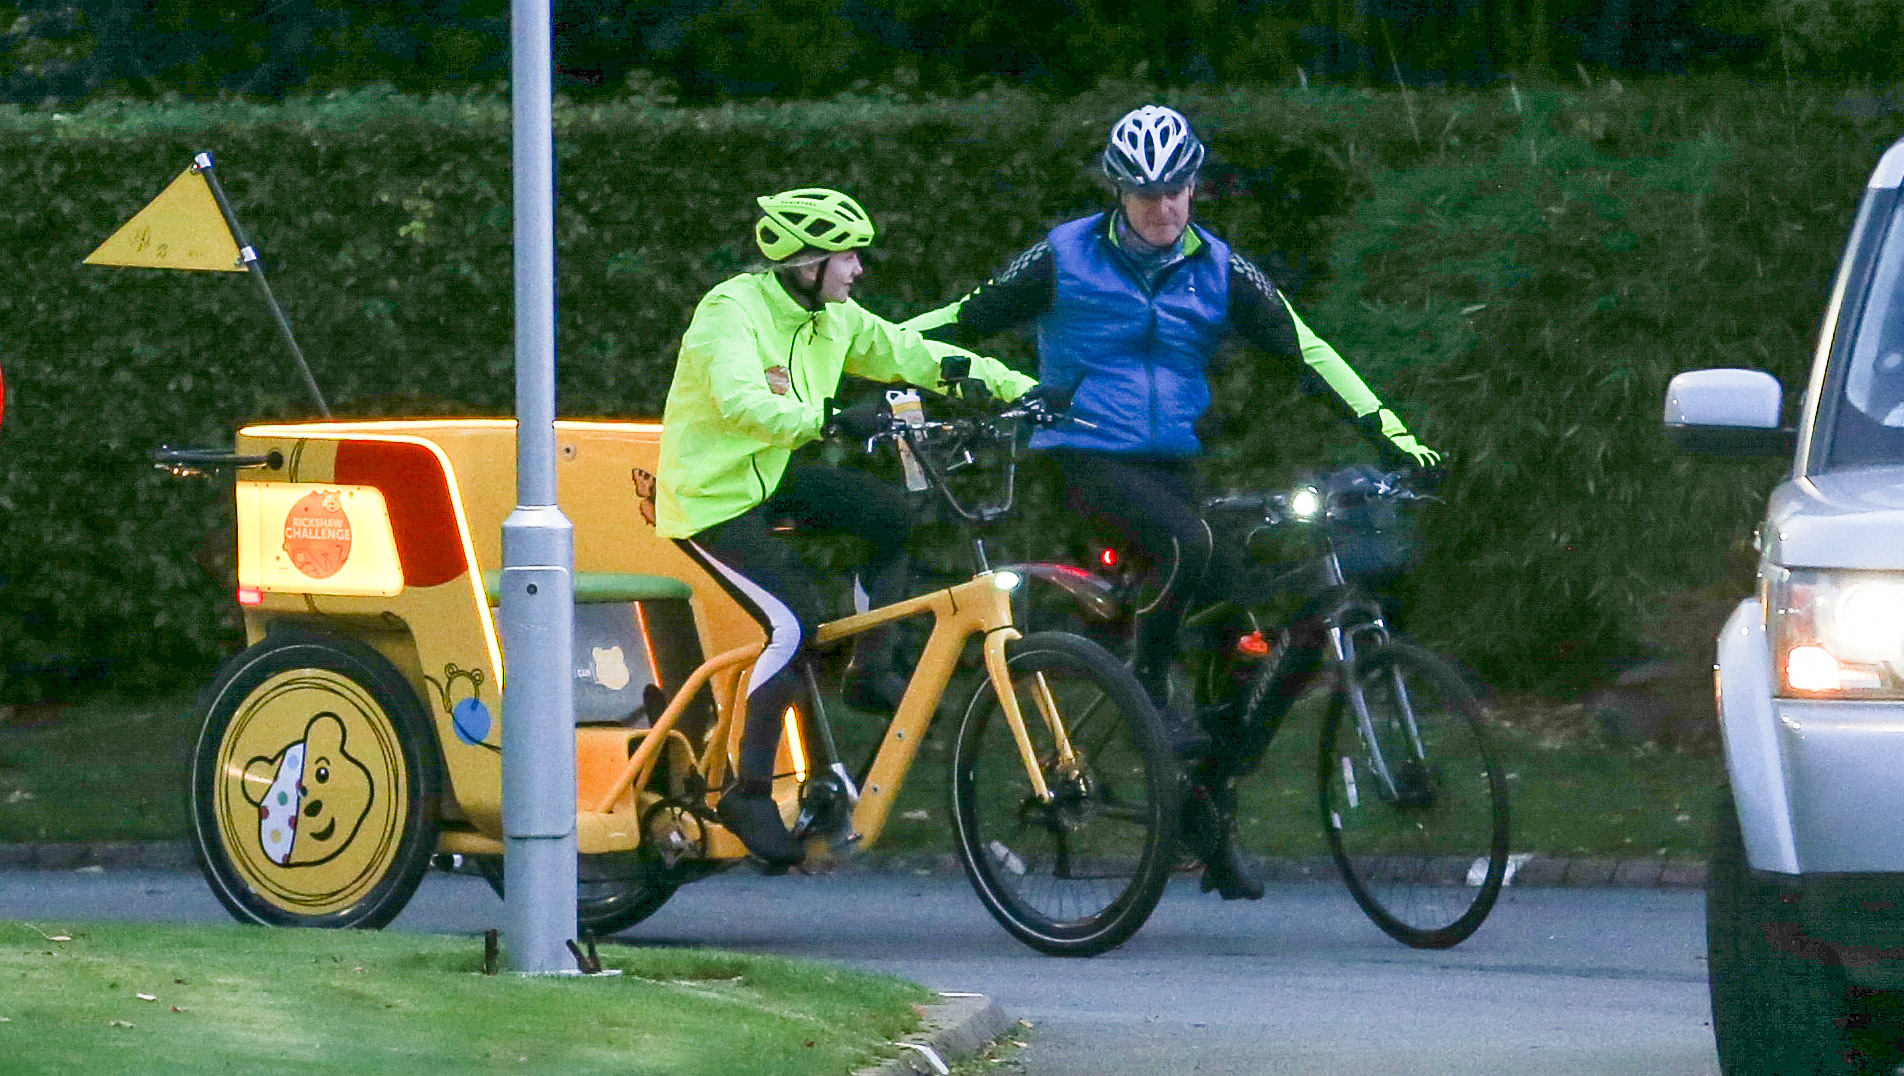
x,y
1412,801
1080,872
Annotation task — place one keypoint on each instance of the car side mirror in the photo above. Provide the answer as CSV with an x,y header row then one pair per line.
x,y
1731,413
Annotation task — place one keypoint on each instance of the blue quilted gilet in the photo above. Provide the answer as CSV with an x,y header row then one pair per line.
x,y
1134,361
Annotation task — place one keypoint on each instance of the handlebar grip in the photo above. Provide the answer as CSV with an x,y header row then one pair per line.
x,y
186,462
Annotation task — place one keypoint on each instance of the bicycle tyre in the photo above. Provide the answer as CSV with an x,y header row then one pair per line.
x,y
1080,875
1426,860
614,891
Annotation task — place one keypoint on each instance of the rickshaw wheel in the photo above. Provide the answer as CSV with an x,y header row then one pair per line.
x,y
314,784
613,891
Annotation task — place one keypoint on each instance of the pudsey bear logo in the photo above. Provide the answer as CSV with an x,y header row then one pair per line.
x,y
611,668
314,796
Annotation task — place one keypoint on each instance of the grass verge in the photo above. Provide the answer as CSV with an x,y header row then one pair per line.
x,y
1570,791
105,769
111,769
149,999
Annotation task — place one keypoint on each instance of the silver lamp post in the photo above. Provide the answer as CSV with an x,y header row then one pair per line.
x,y
538,552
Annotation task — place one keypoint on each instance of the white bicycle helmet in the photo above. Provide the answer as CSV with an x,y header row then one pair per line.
x,y
1152,146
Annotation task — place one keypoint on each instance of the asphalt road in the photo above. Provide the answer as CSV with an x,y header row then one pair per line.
x,y
1559,981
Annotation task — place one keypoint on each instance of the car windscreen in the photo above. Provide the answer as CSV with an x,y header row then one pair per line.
x,y
1867,400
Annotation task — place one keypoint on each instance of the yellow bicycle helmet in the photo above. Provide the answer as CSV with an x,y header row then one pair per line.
x,y
810,217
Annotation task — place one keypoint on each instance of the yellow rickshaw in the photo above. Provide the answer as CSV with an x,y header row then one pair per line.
x,y
357,737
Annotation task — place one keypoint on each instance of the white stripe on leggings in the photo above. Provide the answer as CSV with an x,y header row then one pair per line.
x,y
783,634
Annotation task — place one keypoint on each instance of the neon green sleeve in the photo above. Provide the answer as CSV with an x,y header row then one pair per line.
x,y
722,341
1380,425
1332,368
884,351
932,319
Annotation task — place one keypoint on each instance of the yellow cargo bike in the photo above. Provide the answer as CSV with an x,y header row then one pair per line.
x,y
357,737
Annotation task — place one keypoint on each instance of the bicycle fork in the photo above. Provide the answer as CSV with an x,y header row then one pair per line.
x,y
1342,644
1000,672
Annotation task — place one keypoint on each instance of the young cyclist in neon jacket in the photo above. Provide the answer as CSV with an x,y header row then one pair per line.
x,y
1130,306
758,366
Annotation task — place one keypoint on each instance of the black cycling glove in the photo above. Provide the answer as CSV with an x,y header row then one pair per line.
x,y
862,420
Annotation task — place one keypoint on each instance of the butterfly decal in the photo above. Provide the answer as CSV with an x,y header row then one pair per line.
x,y
644,489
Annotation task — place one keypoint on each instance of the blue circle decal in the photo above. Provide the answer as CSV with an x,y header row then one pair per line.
x,y
471,719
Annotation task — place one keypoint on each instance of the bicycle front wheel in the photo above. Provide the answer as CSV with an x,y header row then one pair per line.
x,y
1413,803
1077,873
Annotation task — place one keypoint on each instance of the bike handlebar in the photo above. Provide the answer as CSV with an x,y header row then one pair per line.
x,y
998,426
928,439
1333,491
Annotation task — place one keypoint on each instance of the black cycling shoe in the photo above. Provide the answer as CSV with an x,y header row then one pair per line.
x,y
877,690
754,817
1209,830
1224,872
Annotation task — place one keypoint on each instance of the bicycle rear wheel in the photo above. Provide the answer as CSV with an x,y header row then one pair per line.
x,y
1079,874
1413,803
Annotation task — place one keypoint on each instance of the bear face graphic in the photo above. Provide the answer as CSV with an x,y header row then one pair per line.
x,y
610,667
311,798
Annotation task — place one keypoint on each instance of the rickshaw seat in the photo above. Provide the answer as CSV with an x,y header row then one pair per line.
x,y
593,587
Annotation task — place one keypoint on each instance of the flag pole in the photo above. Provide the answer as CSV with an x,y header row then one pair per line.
x,y
202,164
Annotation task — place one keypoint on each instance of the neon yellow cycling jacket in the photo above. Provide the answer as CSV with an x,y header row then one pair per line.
x,y
751,385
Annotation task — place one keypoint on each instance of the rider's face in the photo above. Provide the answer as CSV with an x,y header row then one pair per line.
x,y
834,276
1159,217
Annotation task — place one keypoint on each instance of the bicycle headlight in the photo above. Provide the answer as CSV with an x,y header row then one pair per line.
x,y
1836,634
1305,503
1006,579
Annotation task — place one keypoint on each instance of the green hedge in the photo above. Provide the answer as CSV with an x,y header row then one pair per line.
x,y
1520,271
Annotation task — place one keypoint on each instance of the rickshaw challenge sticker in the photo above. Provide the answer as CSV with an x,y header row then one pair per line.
x,y
317,534
304,538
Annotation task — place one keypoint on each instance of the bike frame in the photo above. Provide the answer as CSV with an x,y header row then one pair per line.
x,y
979,606
1351,620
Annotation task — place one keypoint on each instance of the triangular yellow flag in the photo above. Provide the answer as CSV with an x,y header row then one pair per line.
x,y
180,229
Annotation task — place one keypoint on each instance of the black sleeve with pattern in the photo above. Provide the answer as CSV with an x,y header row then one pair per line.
x,y
1008,300
1257,310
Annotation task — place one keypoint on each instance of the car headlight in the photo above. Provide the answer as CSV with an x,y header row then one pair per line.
x,y
1836,634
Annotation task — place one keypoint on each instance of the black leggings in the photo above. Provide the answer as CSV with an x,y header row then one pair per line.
x,y
1152,504
769,580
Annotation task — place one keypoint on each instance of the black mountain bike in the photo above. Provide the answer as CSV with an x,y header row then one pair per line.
x,y
1413,802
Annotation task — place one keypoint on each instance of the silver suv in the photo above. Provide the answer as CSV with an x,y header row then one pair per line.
x,y
1805,887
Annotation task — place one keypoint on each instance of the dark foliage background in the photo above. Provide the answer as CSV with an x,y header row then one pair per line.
x,y
69,50
1518,272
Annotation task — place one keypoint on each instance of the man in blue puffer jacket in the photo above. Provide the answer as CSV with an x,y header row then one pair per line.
x,y
1130,307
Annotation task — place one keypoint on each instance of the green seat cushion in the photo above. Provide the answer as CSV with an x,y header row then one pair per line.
x,y
606,587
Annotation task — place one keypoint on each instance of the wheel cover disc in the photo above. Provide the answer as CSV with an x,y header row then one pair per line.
x,y
311,793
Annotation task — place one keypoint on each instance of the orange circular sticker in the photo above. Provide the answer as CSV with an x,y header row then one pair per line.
x,y
317,534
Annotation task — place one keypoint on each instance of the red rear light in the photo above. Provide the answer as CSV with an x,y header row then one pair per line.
x,y
1107,557
250,596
